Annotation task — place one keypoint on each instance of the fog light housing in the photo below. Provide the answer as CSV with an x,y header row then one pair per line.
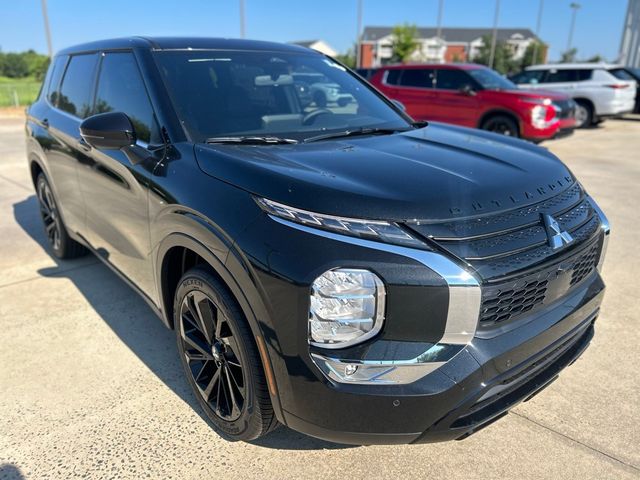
x,y
347,307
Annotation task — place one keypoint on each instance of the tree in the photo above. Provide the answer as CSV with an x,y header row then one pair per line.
x,y
597,58
14,65
540,54
348,58
569,56
503,60
404,43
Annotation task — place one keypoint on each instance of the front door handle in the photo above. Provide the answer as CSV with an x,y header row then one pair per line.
x,y
45,123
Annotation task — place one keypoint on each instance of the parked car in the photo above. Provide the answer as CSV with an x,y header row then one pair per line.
x,y
323,91
629,73
349,273
476,96
597,91
366,73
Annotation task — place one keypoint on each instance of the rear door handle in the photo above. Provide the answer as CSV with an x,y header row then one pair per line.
x,y
45,123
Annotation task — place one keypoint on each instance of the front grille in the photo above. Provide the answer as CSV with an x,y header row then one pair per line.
x,y
505,301
511,253
515,241
566,108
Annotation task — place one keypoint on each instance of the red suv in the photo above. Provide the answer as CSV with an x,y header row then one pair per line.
x,y
476,96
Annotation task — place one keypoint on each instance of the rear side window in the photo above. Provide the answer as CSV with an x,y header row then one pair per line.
x,y
77,85
393,77
621,74
452,79
57,69
121,89
417,77
568,75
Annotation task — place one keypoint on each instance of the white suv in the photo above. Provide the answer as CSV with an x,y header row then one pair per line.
x,y
597,91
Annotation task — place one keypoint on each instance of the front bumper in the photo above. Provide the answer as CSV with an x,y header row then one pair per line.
x,y
475,388
428,314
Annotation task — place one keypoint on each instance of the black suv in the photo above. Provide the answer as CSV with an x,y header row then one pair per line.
x,y
339,268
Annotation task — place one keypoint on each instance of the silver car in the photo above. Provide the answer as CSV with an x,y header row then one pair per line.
x,y
598,93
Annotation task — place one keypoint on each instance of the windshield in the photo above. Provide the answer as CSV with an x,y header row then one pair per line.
x,y
275,94
490,79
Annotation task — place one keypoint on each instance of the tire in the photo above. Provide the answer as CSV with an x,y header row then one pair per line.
x,y
220,357
584,114
501,124
62,245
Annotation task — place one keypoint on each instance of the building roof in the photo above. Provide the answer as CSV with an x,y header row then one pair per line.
x,y
452,35
181,43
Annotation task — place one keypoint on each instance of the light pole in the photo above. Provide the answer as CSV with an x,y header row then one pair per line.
x,y
492,55
440,6
535,45
242,28
47,30
575,7
439,30
358,30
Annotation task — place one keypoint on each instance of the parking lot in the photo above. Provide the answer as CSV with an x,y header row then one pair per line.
x,y
92,386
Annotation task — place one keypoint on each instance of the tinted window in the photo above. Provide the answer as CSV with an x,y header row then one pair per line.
x,y
584,74
490,79
393,77
528,76
120,89
621,74
452,79
285,94
77,85
567,75
57,69
417,77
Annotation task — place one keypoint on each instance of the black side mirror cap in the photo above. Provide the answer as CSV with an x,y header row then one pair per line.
x,y
108,131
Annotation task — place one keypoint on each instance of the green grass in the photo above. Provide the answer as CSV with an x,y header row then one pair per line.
x,y
25,89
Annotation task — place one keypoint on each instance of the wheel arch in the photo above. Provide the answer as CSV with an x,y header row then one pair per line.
x,y
494,112
179,252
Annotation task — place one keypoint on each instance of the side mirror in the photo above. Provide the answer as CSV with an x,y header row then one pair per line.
x,y
108,131
467,90
400,105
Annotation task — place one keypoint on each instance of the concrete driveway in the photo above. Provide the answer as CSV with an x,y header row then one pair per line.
x,y
90,384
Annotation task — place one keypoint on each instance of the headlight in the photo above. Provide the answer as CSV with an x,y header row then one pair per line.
x,y
347,307
543,115
379,230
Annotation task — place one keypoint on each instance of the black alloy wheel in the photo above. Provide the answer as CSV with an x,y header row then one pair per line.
x,y
62,245
49,214
220,357
212,355
502,125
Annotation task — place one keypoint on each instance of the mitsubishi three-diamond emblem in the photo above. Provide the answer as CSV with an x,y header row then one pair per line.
x,y
557,237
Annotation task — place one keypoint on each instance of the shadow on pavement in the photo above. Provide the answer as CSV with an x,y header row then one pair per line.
x,y
8,471
144,334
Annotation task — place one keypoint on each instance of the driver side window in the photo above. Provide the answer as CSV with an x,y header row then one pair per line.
x,y
121,89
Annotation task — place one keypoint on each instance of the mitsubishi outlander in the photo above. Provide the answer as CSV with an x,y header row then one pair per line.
x,y
337,267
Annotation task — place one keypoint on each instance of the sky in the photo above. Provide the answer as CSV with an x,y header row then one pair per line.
x,y
598,25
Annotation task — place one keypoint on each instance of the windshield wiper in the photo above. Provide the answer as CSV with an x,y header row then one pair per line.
x,y
250,140
356,132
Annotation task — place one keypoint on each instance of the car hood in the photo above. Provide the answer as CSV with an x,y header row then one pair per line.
x,y
434,173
